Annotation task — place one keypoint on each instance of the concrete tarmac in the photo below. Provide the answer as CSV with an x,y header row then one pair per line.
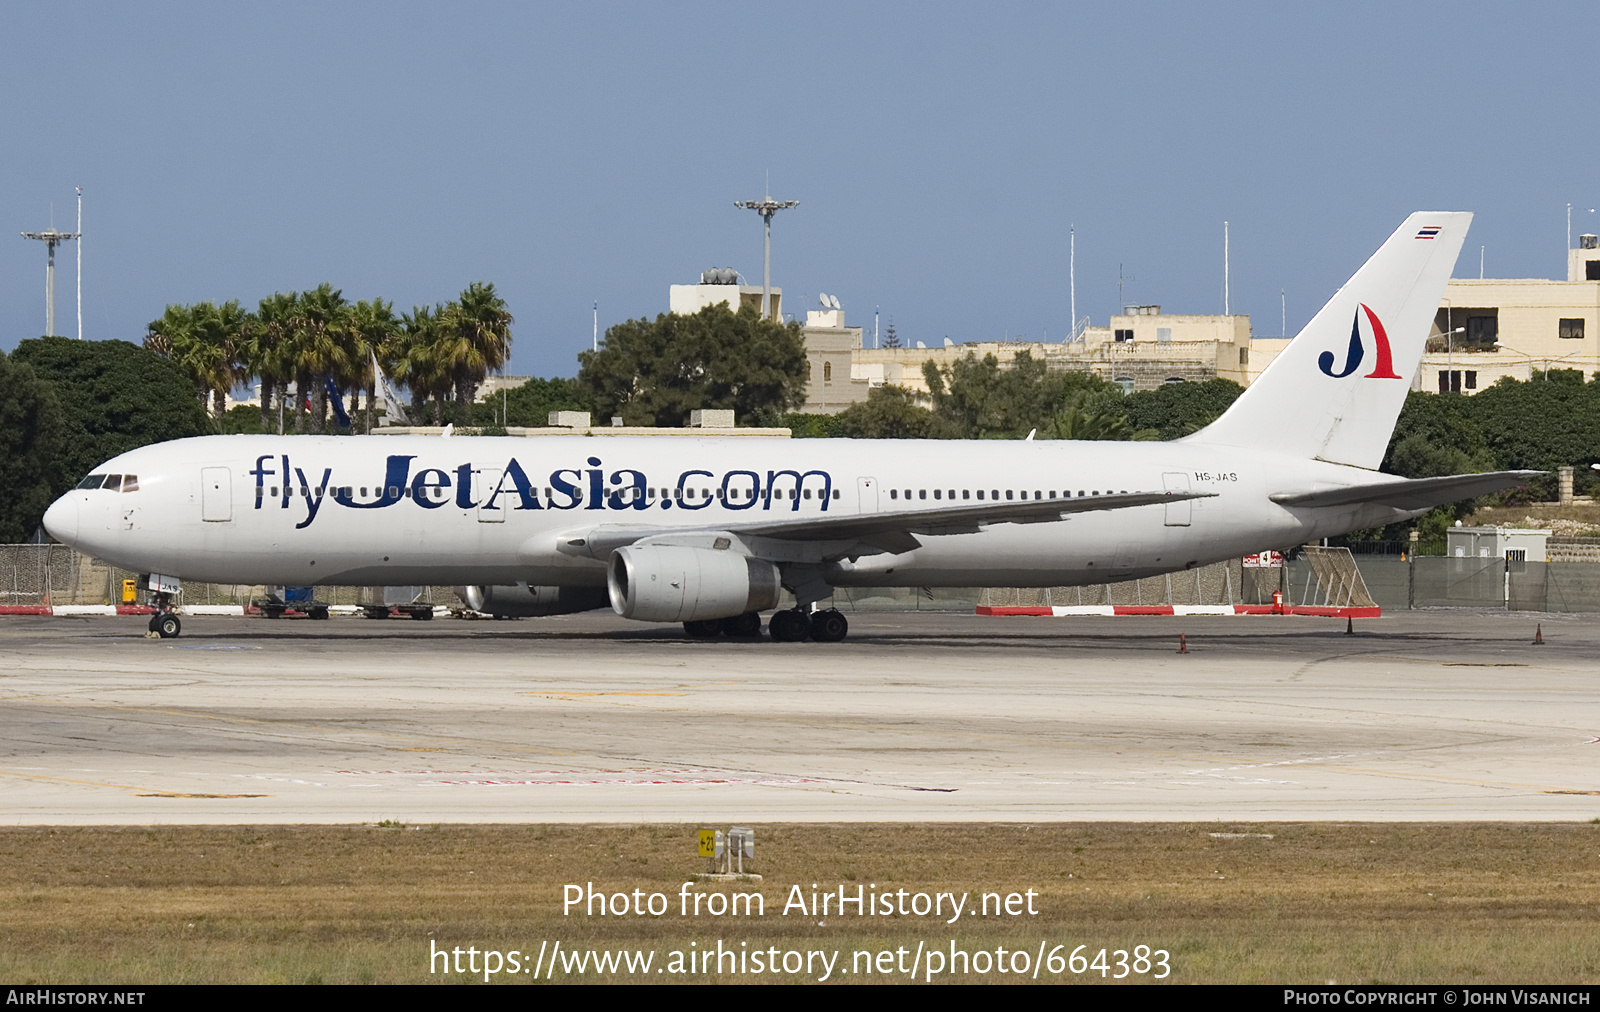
x,y
917,716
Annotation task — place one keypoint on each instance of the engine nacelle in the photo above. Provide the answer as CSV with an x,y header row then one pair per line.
x,y
665,583
523,601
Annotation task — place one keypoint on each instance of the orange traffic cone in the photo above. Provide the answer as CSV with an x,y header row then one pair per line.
x,y
1183,644
1349,625
1538,635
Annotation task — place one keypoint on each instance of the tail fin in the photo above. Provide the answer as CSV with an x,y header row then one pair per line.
x,y
1335,392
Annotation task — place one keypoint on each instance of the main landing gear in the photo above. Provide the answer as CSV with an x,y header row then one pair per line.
x,y
790,626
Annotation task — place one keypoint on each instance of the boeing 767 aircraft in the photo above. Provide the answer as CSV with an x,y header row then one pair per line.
x,y
706,531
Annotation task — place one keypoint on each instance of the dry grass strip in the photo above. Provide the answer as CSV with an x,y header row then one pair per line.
x,y
1307,903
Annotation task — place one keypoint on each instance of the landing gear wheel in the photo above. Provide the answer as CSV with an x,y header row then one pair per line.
x,y
788,627
423,615
743,626
703,628
166,625
829,626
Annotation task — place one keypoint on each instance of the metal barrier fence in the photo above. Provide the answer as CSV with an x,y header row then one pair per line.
x,y
34,575
59,575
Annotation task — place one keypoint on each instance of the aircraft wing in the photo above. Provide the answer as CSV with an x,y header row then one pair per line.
x,y
892,531
1410,493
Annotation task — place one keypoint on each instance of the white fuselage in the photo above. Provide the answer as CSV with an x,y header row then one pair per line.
x,y
388,510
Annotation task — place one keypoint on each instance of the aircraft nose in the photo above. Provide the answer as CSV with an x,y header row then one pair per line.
x,y
61,519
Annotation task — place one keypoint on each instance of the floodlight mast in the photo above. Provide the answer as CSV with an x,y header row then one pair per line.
x,y
766,207
51,238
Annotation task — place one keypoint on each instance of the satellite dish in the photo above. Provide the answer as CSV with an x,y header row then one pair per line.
x,y
823,298
835,300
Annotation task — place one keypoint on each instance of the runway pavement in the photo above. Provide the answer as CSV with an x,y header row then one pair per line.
x,y
917,716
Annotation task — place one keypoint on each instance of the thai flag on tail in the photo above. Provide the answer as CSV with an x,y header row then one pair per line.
x,y
1428,232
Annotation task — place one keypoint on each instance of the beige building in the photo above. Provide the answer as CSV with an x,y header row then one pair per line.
x,y
1488,328
1142,349
832,349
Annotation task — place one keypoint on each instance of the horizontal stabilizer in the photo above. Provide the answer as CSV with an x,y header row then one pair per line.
x,y
1410,493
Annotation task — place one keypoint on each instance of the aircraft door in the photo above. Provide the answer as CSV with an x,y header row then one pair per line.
x,y
867,494
1177,512
216,494
488,483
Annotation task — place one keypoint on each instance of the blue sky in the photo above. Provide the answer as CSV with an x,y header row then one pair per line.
x,y
576,153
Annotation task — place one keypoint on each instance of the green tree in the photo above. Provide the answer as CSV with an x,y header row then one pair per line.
x,y
807,426
419,364
206,341
1541,424
1436,435
891,412
374,330
1178,409
1093,418
114,396
655,372
32,432
980,399
475,331
532,402
269,355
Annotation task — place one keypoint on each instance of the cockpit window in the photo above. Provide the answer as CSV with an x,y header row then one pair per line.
x,y
113,483
130,483
93,481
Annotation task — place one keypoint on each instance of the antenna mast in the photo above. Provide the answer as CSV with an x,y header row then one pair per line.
x,y
1072,279
80,263
51,238
1225,269
766,207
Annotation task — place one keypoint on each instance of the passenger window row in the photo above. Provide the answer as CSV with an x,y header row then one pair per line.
x,y
994,494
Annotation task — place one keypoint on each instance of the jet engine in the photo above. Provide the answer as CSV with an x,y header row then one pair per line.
x,y
665,583
522,601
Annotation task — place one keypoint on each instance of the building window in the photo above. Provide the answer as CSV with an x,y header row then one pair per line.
x,y
1125,382
1450,381
1244,356
1572,328
1482,329
1173,379
1163,334
827,372
1591,270
1471,381
1123,335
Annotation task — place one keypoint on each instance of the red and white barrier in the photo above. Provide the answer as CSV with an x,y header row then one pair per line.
x,y
1061,611
76,609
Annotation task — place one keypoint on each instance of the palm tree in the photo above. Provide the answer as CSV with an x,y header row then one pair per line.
x,y
375,328
477,339
419,363
271,352
204,340
321,350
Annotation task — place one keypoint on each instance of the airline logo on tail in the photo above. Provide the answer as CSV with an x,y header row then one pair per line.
x,y
1384,369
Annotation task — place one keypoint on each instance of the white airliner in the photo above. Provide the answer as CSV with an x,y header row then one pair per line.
x,y
705,531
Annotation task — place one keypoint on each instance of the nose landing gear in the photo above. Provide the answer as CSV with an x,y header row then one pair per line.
x,y
164,623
